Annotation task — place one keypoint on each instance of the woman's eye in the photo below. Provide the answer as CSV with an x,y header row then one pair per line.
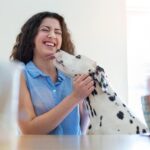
x,y
59,33
44,29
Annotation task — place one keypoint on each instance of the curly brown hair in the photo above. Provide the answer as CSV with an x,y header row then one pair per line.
x,y
24,46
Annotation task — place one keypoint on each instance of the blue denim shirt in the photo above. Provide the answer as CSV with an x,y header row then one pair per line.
x,y
45,95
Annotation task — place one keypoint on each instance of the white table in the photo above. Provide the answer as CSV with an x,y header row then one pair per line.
x,y
88,142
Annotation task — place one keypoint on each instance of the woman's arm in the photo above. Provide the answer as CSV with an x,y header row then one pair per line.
x,y
29,123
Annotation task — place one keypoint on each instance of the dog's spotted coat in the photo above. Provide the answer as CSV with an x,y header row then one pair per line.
x,y
108,114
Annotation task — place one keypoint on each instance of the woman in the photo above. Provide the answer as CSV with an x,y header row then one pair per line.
x,y
49,101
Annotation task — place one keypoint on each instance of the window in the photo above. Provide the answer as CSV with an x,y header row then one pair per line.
x,y
138,48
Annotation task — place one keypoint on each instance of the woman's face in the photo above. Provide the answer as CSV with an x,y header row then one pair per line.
x,y
48,38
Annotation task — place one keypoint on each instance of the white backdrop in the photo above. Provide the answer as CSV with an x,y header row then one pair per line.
x,y
98,28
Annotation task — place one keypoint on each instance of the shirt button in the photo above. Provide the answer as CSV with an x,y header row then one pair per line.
x,y
54,90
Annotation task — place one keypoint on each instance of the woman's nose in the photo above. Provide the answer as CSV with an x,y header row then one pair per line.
x,y
51,34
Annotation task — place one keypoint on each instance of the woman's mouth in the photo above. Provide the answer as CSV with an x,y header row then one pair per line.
x,y
49,44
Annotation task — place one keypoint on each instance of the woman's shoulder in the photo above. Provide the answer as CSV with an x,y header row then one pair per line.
x,y
32,70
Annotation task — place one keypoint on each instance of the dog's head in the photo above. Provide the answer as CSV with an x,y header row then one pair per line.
x,y
72,65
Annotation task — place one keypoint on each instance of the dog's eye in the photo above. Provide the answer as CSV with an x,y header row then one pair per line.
x,y
61,61
78,56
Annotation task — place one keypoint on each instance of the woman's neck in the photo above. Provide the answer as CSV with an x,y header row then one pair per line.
x,y
47,67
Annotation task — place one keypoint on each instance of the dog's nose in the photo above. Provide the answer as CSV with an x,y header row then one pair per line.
x,y
78,56
58,50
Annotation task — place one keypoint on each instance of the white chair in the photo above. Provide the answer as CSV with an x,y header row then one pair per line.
x,y
9,90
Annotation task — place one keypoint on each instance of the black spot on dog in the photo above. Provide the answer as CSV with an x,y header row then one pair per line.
x,y
105,85
100,84
92,75
100,124
120,115
143,131
90,127
89,70
124,105
91,110
94,112
78,56
101,117
94,92
89,105
102,78
112,98
137,130
88,100
98,68
131,121
94,84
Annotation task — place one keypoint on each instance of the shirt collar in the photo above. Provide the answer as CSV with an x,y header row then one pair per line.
x,y
60,75
36,72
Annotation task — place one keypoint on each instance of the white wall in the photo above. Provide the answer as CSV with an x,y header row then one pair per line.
x,y
98,29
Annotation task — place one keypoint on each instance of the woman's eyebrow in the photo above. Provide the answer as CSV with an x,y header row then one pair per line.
x,y
50,27
45,26
58,29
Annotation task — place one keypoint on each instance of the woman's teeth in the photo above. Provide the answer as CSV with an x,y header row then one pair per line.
x,y
49,44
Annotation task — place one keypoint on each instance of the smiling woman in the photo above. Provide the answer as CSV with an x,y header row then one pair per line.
x,y
49,102
49,38
39,24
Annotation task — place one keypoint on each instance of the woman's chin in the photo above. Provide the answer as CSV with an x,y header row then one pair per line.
x,y
50,57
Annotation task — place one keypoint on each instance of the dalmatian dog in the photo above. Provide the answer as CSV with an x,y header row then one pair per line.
x,y
108,114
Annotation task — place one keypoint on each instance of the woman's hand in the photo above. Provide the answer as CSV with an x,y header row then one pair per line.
x,y
83,86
